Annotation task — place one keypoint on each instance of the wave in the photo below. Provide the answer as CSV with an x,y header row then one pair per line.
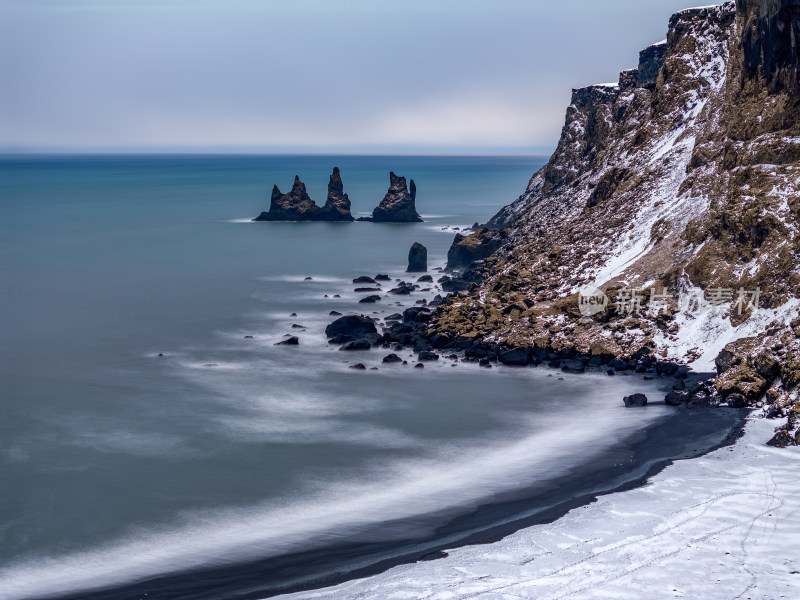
x,y
454,477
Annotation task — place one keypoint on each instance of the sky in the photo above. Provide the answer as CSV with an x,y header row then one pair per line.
x,y
308,76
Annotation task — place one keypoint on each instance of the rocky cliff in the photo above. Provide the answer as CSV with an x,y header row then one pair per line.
x,y
682,181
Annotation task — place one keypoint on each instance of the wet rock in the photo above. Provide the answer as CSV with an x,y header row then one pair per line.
x,y
425,279
334,313
427,355
363,290
356,326
417,259
737,401
419,366
395,317
359,366
364,279
417,314
515,357
381,277
572,366
635,400
677,397
392,358
361,344
370,299
290,341
404,289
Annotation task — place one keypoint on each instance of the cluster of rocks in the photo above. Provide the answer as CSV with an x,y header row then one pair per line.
x,y
298,206
398,206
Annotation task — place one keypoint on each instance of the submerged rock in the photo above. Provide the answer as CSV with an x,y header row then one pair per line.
x,y
290,341
417,259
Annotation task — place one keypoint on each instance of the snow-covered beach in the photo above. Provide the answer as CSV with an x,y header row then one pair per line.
x,y
721,526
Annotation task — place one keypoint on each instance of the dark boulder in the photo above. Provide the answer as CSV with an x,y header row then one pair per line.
x,y
417,314
440,341
417,259
677,397
356,326
404,289
618,364
362,290
397,206
363,279
382,277
635,400
572,366
392,358
290,341
428,356
370,299
455,285
737,401
359,367
361,344
515,357
425,279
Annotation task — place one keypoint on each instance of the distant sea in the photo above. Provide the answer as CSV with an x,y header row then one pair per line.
x,y
230,467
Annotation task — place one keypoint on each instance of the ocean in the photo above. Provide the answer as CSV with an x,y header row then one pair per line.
x,y
154,440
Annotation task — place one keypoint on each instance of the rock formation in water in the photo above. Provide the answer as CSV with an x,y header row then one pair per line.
x,y
337,206
681,179
298,206
417,259
398,206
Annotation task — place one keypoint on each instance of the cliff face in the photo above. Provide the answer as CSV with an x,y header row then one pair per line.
x,y
684,176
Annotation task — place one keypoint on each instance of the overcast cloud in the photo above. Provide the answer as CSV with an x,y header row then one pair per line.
x,y
343,76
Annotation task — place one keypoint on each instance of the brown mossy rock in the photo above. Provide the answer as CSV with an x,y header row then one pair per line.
x,y
743,380
790,372
782,439
479,245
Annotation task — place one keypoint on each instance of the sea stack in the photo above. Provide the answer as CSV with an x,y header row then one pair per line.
x,y
417,259
337,206
398,206
298,206
294,206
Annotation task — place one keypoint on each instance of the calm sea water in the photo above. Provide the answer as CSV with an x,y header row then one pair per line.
x,y
117,465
